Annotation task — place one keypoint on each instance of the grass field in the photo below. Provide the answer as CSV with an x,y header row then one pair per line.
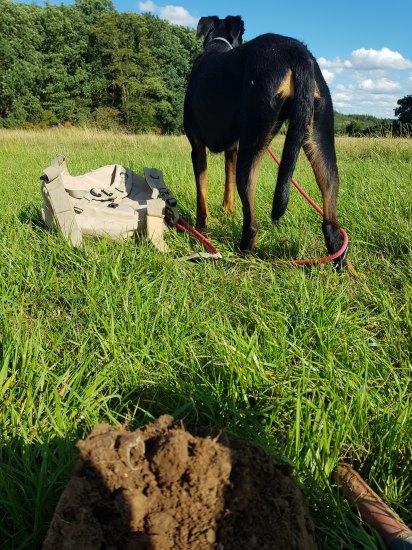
x,y
314,366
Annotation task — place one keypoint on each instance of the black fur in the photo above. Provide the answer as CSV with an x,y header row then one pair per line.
x,y
237,100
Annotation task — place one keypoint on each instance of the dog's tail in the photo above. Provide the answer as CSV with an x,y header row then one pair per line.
x,y
303,75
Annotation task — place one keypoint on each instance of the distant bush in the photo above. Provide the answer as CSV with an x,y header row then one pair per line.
x,y
47,119
107,118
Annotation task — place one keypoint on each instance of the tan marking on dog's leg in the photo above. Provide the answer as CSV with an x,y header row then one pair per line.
x,y
202,212
230,170
253,179
249,216
317,92
329,189
286,87
200,168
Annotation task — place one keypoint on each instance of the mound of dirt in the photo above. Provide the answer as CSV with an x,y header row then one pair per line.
x,y
165,487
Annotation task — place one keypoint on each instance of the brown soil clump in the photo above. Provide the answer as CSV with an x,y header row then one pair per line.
x,y
164,487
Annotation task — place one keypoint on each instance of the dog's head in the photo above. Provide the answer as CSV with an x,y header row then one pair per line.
x,y
231,29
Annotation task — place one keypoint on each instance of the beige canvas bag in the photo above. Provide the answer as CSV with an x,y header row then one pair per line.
x,y
112,202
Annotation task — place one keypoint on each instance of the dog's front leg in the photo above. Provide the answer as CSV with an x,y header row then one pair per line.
x,y
199,161
230,170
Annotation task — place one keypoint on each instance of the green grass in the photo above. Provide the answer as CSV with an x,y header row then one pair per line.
x,y
314,366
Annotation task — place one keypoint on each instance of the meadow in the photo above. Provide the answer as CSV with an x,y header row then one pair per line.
x,y
314,366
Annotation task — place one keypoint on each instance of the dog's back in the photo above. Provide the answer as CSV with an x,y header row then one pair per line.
x,y
223,86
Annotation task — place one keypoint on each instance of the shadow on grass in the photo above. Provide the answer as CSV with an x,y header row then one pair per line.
x,y
31,215
32,476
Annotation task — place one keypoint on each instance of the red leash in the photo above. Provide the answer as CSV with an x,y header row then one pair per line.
x,y
208,246
187,228
319,210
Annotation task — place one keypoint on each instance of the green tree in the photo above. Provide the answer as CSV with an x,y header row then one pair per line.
x,y
354,128
404,111
91,10
65,89
20,63
174,48
132,83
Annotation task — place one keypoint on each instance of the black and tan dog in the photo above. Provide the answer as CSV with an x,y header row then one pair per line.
x,y
238,97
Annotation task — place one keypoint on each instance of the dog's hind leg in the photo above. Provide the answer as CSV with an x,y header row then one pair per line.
x,y
199,161
246,173
258,129
320,150
297,86
230,170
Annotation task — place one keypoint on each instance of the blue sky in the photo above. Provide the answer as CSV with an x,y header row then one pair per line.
x,y
364,47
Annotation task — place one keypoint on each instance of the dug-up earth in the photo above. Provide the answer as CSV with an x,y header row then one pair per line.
x,y
166,487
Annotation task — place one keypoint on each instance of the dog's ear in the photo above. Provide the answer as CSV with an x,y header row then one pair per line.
x,y
235,27
206,25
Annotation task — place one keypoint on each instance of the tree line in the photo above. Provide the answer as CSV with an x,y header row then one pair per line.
x,y
87,64
366,125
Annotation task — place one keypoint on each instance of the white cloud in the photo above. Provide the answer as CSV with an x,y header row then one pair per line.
x,y
368,81
336,63
328,75
344,96
379,86
367,59
378,59
178,15
147,6
351,99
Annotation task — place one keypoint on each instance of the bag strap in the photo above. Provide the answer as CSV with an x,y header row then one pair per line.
x,y
154,179
155,224
58,200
